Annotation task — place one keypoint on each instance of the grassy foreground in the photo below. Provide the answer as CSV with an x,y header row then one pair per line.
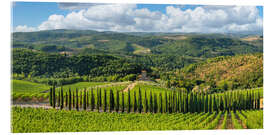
x,y
40,120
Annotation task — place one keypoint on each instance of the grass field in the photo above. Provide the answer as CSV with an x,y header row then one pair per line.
x,y
40,120
20,86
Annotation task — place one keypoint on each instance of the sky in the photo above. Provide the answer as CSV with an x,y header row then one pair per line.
x,y
36,16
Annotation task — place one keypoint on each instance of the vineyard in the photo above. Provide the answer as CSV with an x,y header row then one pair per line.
x,y
51,120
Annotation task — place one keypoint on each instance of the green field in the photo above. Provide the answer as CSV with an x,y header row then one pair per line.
x,y
20,86
40,120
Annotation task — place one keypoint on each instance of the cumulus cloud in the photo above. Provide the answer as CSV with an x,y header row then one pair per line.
x,y
24,28
127,17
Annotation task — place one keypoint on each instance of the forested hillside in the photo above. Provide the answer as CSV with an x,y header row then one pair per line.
x,y
220,73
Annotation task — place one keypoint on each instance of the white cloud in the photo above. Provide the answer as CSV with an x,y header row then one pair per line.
x,y
24,28
126,17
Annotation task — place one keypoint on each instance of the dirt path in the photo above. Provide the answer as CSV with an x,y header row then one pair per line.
x,y
220,122
130,87
229,122
33,105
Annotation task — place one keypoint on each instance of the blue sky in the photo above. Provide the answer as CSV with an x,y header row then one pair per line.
x,y
33,14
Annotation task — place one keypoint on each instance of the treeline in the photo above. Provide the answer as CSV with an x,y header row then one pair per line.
x,y
31,63
169,102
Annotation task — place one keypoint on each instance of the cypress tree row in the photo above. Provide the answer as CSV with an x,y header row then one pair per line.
x,y
160,103
84,99
92,100
77,100
135,102
128,101
117,101
105,101
69,103
123,102
145,102
140,101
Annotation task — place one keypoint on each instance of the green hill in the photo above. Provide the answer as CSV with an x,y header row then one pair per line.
x,y
222,73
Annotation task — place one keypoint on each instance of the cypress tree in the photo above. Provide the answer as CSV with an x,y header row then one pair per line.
x,y
117,101
151,103
169,104
155,103
123,102
145,102
210,104
179,102
129,106
50,97
59,98
166,102
66,105
62,99
135,103
105,101
173,102
69,103
98,99
111,101
160,103
87,99
92,100
206,103
140,101
221,106
84,99
73,99
54,100
258,101
81,99
77,99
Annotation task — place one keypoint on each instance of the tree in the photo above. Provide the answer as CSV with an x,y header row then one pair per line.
x,y
73,99
62,99
117,101
105,101
54,100
128,101
166,102
135,103
84,99
111,101
66,105
92,100
140,101
155,103
160,103
145,102
123,102
50,98
69,104
151,102
98,102
77,100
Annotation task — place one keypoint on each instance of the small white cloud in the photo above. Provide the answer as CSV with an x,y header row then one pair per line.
x,y
24,28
